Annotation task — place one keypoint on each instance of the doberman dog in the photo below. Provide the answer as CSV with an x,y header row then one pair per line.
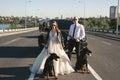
x,y
82,60
48,67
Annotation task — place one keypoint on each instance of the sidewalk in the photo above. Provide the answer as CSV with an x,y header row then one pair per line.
x,y
6,33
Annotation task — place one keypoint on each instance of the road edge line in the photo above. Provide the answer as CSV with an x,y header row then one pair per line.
x,y
94,73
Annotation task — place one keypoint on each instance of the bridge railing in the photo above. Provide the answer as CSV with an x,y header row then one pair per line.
x,y
14,30
104,31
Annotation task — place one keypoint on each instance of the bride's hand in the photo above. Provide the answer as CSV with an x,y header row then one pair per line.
x,y
45,45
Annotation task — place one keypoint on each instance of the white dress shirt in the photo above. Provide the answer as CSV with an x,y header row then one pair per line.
x,y
79,31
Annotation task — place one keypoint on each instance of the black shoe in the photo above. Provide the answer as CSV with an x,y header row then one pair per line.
x,y
41,76
76,70
51,74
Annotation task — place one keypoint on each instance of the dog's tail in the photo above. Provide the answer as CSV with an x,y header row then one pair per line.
x,y
31,77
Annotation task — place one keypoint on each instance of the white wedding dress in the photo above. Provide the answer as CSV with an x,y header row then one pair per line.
x,y
62,65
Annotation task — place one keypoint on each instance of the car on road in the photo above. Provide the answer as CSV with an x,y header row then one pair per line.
x,y
63,25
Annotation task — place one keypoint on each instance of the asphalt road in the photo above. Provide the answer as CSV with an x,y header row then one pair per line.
x,y
105,58
18,51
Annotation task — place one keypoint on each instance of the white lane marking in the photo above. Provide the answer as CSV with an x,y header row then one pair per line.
x,y
6,43
107,43
91,38
31,77
94,73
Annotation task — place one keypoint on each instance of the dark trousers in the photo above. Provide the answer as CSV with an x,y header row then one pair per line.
x,y
72,44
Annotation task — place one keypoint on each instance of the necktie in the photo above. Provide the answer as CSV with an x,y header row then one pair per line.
x,y
74,30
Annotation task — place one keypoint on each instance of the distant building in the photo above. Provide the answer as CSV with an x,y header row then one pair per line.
x,y
61,16
56,17
113,12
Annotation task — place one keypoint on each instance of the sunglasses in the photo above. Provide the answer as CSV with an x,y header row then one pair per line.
x,y
53,25
74,19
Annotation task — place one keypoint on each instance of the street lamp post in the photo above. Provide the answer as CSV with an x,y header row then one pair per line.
x,y
36,18
117,19
84,13
35,21
25,12
84,10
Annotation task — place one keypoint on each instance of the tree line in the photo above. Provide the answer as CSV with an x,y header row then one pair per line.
x,y
90,23
14,21
99,23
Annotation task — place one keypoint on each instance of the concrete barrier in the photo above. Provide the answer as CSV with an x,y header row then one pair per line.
x,y
16,31
105,31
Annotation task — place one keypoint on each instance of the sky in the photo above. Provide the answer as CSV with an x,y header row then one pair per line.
x,y
56,8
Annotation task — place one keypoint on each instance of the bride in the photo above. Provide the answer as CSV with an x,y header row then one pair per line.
x,y
54,45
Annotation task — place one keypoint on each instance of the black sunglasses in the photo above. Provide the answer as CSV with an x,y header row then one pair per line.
x,y
53,25
74,19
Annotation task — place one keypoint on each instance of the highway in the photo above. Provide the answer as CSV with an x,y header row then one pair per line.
x,y
18,52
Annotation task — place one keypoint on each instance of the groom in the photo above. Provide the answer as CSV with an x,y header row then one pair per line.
x,y
76,33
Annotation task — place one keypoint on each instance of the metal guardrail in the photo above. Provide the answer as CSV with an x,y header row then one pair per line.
x,y
10,30
14,30
105,31
17,31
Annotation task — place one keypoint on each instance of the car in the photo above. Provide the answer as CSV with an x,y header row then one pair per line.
x,y
63,25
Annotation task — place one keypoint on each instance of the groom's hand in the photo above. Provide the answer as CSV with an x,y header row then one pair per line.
x,y
77,40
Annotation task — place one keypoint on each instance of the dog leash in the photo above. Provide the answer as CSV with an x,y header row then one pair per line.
x,y
31,77
82,49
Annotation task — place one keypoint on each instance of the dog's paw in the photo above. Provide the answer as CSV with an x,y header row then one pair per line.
x,y
90,54
76,70
48,79
56,78
88,72
82,71
41,76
